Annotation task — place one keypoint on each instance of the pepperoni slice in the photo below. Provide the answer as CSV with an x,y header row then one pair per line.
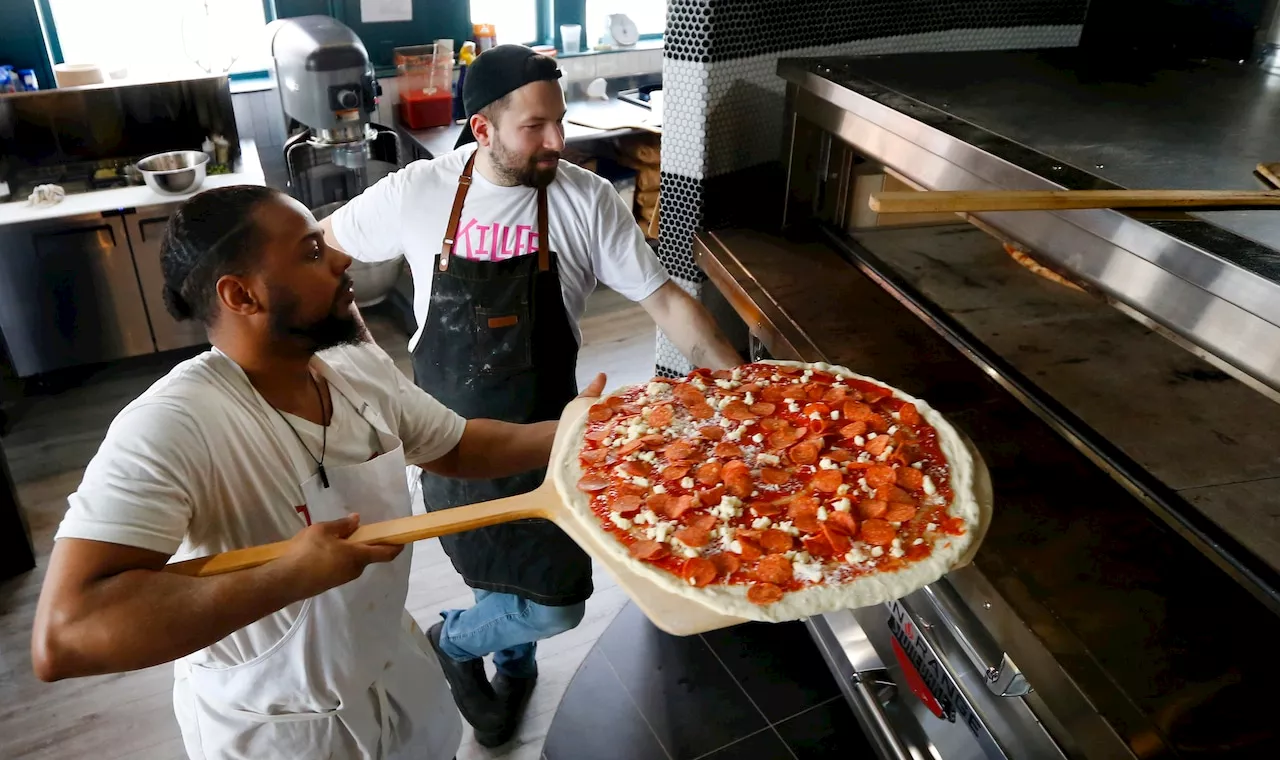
x,y
712,497
878,532
698,571
876,446
820,409
910,478
774,568
763,408
767,508
679,506
772,394
594,456
694,537
629,447
908,414
877,424
658,502
680,451
828,481
776,542
854,429
900,513
835,395
872,508
856,411
592,482
701,411
636,469
739,485
614,401
736,410
674,472
823,427
735,468
772,424
600,413
802,505
728,449
815,391
839,455
840,543
727,563
661,416
842,522
650,550
818,546
805,453
881,476
708,473
807,523
711,432
706,522
599,435
774,476
631,489
722,374
629,504
795,393
763,593
780,439
750,549
898,496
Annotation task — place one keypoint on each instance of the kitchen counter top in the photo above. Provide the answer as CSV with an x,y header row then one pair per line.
x,y
248,172
437,141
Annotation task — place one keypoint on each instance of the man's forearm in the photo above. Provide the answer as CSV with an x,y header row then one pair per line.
x,y
690,326
494,449
140,618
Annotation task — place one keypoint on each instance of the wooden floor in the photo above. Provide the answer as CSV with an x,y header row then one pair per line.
x,y
131,715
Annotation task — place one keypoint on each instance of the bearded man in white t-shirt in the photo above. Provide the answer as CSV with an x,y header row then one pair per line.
x,y
289,429
505,242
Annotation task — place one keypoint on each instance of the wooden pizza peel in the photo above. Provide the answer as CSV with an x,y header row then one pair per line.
x,y
670,612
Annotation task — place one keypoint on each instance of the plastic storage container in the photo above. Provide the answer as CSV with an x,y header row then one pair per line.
x,y
425,79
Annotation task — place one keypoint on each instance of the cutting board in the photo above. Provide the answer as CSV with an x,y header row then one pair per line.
x,y
670,612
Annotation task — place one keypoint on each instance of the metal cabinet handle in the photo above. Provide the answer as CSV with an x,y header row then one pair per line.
x,y
1002,676
871,711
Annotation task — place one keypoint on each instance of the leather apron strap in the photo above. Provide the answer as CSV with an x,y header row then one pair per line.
x,y
455,217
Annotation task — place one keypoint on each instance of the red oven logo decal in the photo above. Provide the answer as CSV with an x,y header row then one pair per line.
x,y
925,675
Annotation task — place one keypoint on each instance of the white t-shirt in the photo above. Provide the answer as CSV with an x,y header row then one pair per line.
x,y
592,231
196,465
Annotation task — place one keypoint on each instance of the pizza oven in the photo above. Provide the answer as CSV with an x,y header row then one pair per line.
x,y
1119,373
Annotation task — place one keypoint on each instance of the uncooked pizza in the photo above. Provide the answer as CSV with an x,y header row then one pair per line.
x,y
776,490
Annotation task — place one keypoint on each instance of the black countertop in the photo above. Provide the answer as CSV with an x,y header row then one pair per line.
x,y
1087,122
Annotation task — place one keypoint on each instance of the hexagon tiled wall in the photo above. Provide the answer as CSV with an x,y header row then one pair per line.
x,y
723,101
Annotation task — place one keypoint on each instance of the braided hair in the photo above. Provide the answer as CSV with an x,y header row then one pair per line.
x,y
209,236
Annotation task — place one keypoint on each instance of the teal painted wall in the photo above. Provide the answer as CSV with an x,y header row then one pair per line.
x,y
22,40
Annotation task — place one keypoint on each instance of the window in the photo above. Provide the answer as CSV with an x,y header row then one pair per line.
x,y
513,20
163,38
650,16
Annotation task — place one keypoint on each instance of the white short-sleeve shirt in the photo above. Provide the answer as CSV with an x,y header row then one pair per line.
x,y
592,231
196,465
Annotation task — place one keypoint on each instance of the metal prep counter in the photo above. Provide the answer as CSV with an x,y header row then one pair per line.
x,y
1130,574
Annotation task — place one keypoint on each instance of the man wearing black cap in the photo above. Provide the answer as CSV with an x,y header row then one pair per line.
x,y
506,241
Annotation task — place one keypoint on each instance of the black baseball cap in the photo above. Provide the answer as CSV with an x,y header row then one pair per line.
x,y
497,72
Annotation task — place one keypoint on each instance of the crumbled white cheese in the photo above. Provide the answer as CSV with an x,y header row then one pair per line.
x,y
871,436
843,489
697,383
769,459
809,572
786,527
838,384
762,522
815,415
888,451
791,555
608,442
929,487
862,483
917,465
822,513
860,440
893,429
917,542
827,464
803,557
659,488
896,417
726,538
835,414
757,438
737,374
896,551
646,516
642,482
617,519
755,493
930,527
877,551
749,399
648,456
808,373
855,556
842,505
775,378
657,389
864,457
735,547
792,406
687,482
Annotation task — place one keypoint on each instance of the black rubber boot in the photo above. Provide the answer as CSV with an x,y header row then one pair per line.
x,y
513,695
470,687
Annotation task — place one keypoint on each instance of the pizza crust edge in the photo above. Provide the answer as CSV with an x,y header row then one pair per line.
x,y
795,605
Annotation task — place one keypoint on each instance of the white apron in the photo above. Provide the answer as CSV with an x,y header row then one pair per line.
x,y
353,677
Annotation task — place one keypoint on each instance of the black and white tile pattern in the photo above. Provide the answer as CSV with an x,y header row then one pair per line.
x,y
724,103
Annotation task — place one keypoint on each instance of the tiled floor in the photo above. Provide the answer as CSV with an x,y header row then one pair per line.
x,y
755,692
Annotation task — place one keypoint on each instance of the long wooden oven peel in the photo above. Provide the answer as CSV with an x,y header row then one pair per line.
x,y
975,201
670,612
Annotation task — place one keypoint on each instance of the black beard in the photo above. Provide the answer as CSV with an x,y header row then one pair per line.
x,y
527,173
335,329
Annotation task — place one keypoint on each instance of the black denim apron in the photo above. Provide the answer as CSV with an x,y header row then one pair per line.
x,y
497,343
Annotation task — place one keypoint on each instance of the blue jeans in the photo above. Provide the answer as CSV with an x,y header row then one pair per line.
x,y
506,626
